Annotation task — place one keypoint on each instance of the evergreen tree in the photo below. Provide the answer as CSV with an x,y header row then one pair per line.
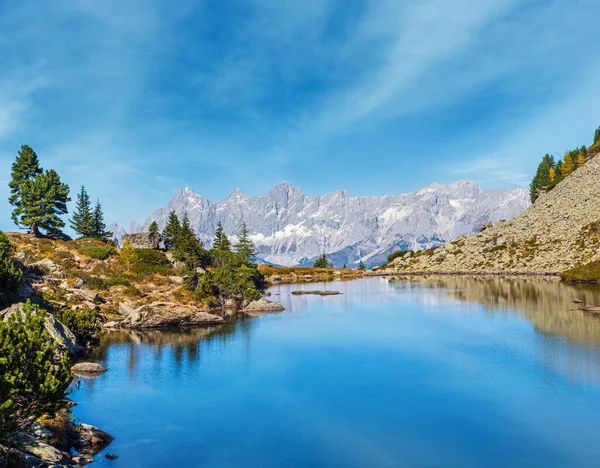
x,y
153,227
220,241
171,230
580,159
185,240
361,266
542,176
321,262
344,267
597,135
98,226
82,222
245,246
41,201
25,167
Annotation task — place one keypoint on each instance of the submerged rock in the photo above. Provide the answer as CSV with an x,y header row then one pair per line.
x,y
88,439
315,292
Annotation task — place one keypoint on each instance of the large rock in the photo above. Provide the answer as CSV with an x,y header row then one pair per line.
x,y
61,334
169,314
45,267
264,305
88,439
143,240
29,444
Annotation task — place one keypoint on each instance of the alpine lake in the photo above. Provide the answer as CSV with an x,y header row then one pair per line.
x,y
403,372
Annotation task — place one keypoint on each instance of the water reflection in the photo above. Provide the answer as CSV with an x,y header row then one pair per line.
x,y
545,302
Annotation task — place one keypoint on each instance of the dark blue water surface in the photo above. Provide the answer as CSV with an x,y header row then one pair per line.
x,y
440,372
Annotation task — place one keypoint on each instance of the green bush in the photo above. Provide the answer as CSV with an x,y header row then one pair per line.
x,y
149,261
83,323
97,252
30,384
10,274
396,254
588,273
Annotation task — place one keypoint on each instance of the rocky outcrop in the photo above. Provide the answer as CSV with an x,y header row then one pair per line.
x,y
169,314
29,444
264,305
45,267
88,439
560,230
143,240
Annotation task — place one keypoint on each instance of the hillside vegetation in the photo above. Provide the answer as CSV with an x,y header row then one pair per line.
x,y
559,232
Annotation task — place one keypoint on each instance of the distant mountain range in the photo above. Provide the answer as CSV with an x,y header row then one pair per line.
x,y
290,228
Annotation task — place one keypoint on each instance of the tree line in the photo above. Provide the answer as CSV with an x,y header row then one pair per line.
x,y
550,172
39,199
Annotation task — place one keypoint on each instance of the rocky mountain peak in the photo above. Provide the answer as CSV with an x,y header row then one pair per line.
x,y
291,228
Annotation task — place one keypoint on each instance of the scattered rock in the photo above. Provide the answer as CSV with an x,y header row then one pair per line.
x,y
111,456
577,301
39,431
86,294
125,308
78,283
143,240
176,279
315,292
29,444
111,325
275,278
591,309
82,460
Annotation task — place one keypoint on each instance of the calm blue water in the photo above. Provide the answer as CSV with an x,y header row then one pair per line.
x,y
453,372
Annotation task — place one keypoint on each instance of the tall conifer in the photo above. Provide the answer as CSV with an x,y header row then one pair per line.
x,y
83,219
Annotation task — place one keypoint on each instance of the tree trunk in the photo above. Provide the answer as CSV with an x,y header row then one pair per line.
x,y
36,230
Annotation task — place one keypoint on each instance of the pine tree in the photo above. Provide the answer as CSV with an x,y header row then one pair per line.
x,y
245,246
221,241
82,222
25,167
171,230
127,255
185,239
41,201
153,227
321,262
597,135
542,176
361,266
98,226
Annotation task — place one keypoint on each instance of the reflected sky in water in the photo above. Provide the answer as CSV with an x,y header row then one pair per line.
x,y
439,371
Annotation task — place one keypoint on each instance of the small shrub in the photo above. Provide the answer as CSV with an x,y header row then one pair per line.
x,y
396,254
83,323
30,383
10,274
149,261
97,252
116,281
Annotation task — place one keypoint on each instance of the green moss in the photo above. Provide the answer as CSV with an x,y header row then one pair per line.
x,y
97,252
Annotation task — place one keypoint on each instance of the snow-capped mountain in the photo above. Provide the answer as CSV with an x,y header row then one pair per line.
x,y
290,228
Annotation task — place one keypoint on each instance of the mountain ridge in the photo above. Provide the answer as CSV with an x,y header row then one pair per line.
x,y
290,228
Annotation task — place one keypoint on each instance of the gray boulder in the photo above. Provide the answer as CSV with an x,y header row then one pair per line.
x,y
143,240
45,267
88,369
29,444
88,439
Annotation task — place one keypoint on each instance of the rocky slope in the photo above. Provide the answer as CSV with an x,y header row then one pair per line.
x,y
560,230
290,228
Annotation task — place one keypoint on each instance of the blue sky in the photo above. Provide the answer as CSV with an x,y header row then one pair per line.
x,y
137,98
